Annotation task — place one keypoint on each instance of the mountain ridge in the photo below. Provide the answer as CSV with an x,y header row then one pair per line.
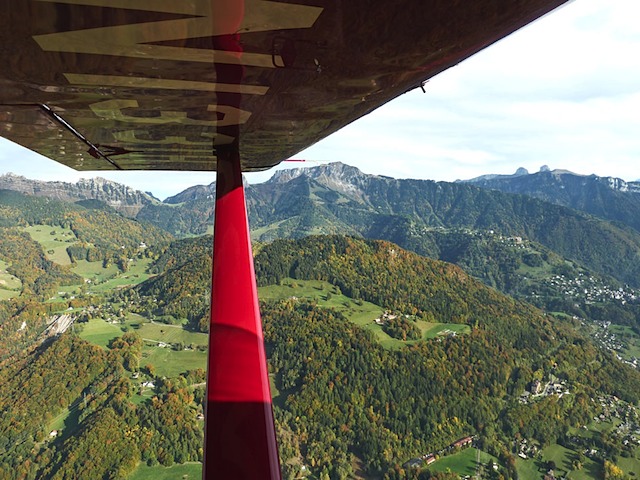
x,y
120,197
609,198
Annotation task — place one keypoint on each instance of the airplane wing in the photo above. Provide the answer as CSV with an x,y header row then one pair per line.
x,y
142,84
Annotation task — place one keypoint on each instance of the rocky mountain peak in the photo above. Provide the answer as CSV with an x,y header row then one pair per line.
x,y
336,176
197,192
337,171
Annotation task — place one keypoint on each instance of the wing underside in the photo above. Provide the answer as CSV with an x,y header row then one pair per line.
x,y
151,84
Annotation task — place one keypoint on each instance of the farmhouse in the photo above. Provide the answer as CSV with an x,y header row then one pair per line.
x,y
463,442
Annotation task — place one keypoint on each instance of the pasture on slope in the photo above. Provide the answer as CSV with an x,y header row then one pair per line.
x,y
54,241
360,312
10,286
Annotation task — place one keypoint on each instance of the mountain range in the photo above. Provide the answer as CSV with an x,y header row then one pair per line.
x,y
605,197
589,220
124,199
609,198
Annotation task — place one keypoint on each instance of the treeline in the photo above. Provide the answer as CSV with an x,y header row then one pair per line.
x,y
505,264
34,390
106,435
384,274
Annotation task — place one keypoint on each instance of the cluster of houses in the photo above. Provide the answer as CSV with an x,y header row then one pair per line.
x,y
608,340
624,414
429,458
537,390
386,316
526,449
591,290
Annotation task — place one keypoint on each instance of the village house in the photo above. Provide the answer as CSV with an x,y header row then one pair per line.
x,y
463,442
429,459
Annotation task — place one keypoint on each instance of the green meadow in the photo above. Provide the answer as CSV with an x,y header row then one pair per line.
x,y
10,286
54,241
94,271
167,361
99,332
171,363
534,469
185,471
136,274
463,462
360,312
160,332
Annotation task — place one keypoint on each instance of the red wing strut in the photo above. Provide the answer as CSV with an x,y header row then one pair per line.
x,y
240,440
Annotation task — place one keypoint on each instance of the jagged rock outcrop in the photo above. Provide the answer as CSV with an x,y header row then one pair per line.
x,y
123,199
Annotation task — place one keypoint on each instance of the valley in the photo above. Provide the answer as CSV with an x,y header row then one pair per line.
x,y
401,354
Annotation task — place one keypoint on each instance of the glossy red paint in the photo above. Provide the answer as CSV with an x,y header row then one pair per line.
x,y
240,437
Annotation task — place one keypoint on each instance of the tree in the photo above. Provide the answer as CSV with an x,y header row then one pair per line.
x,y
612,471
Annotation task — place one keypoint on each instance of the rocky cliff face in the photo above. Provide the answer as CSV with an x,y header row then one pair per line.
x,y
124,199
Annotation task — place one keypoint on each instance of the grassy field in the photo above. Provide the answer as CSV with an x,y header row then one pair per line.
x,y
10,286
7,280
361,313
137,273
138,398
94,271
99,332
631,465
58,421
595,429
54,241
66,422
167,362
171,363
256,233
631,339
563,457
528,469
186,471
433,330
7,294
160,332
463,462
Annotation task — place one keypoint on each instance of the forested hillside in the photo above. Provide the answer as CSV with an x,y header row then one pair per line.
x,y
609,198
401,210
339,199
337,386
378,356
101,235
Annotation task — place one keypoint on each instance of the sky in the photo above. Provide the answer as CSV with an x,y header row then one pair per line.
x,y
562,92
